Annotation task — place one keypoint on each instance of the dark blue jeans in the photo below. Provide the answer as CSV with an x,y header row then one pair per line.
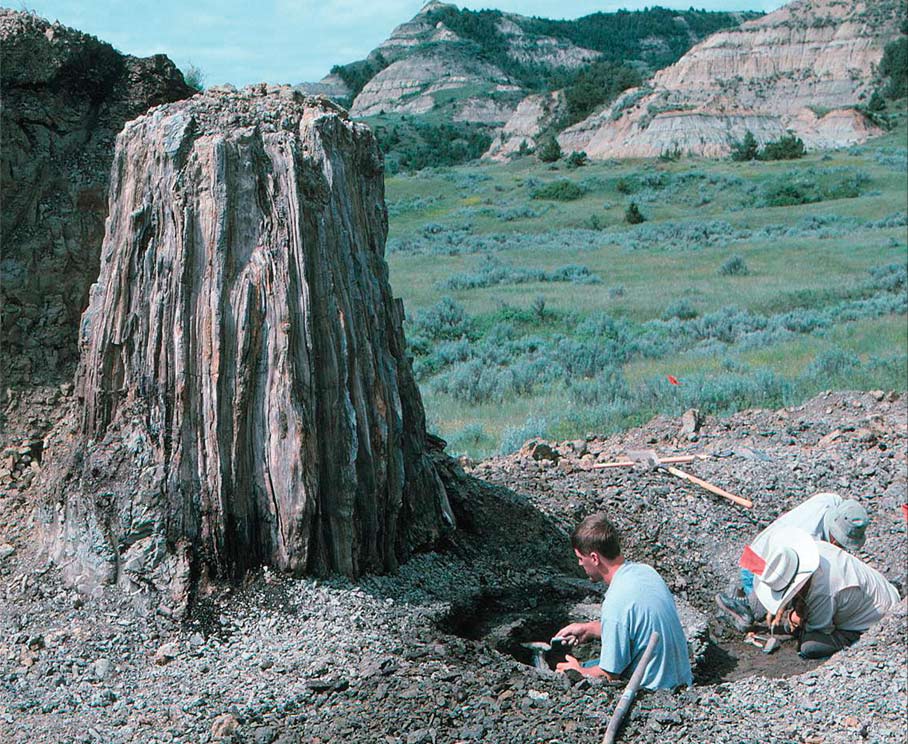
x,y
816,645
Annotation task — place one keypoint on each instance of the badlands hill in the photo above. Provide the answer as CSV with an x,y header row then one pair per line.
x,y
804,68
460,68
625,84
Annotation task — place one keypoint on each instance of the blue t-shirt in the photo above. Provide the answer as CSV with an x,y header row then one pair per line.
x,y
637,603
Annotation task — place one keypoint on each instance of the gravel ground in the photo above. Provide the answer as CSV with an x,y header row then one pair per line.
x,y
379,660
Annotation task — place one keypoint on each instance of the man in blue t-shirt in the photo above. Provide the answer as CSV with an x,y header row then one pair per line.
x,y
637,603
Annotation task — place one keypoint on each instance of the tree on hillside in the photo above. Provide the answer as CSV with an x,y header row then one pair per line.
x,y
549,151
788,147
632,215
746,149
894,66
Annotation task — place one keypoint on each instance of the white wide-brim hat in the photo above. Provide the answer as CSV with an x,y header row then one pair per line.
x,y
791,557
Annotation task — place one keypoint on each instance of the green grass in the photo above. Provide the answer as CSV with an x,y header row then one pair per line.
x,y
809,259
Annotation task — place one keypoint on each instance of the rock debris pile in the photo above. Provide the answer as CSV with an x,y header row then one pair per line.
x,y
298,660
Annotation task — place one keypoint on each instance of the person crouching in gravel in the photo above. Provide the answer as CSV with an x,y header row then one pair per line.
x,y
819,592
636,603
824,516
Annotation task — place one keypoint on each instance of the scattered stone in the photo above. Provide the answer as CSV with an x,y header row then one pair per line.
x,y
102,668
332,684
691,421
224,726
166,653
540,451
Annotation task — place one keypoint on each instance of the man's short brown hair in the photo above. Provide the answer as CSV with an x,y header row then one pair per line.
x,y
597,534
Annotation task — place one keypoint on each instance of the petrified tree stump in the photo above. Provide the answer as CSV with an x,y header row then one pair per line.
x,y
244,394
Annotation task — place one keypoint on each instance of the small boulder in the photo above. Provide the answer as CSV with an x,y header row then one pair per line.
x,y
542,451
165,654
691,421
224,726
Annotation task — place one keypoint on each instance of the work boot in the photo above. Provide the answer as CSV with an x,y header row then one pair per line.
x,y
735,610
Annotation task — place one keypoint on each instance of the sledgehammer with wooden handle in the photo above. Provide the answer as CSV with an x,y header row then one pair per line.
x,y
650,459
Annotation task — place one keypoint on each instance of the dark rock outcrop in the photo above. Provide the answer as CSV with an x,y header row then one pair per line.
x,y
65,95
244,395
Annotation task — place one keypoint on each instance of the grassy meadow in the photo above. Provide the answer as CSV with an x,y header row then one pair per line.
x,y
534,308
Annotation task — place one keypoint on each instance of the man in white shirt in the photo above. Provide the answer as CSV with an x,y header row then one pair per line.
x,y
830,596
825,516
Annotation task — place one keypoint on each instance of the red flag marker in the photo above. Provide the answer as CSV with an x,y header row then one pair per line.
x,y
752,561
905,511
673,380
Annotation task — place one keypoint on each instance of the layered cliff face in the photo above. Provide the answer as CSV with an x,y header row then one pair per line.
x,y
65,96
769,75
532,116
244,396
434,78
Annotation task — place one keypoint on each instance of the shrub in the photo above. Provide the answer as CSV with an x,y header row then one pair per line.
x,y
576,159
813,185
681,309
727,324
877,103
734,266
518,213
608,386
194,77
832,363
632,215
594,222
788,195
788,147
549,151
538,307
560,190
513,438
471,437
446,319
688,235
493,272
625,185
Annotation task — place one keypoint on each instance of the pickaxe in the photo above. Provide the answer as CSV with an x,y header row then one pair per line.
x,y
651,460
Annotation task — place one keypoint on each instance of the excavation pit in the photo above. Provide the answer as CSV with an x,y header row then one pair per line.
x,y
728,659
508,619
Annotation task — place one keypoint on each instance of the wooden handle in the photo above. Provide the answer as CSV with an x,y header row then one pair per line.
x,y
630,463
630,691
710,487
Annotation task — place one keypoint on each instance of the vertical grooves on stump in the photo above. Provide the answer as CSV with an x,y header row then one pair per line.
x,y
243,342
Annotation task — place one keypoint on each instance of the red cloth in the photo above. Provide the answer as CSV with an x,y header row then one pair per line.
x,y
751,561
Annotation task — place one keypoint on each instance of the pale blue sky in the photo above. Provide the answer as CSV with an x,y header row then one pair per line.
x,y
286,41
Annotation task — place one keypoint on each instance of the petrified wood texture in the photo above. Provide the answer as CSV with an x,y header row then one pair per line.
x,y
245,396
